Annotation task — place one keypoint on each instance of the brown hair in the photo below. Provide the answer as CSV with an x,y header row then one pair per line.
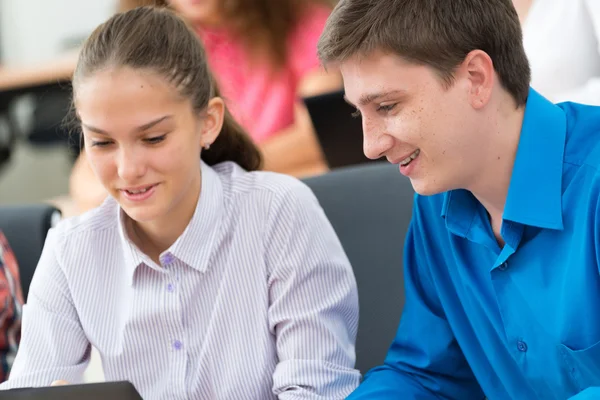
x,y
126,5
266,25
437,33
157,40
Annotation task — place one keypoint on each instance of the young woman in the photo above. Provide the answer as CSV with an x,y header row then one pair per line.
x,y
263,54
198,277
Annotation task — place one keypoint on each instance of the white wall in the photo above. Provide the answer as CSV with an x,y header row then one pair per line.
x,y
36,30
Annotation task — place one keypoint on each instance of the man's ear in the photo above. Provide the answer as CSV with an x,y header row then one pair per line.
x,y
478,68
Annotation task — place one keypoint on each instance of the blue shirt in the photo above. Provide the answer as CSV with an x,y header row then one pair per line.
x,y
517,322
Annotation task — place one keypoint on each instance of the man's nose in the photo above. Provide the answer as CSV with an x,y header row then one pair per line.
x,y
375,141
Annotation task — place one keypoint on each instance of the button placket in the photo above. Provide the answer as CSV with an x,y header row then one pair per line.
x,y
177,345
167,259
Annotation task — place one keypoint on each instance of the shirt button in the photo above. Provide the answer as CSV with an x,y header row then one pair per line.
x,y
503,266
522,346
167,258
170,287
177,345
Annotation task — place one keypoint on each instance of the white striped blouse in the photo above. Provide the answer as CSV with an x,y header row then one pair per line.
x,y
256,299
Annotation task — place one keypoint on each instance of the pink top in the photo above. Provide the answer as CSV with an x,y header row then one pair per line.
x,y
262,101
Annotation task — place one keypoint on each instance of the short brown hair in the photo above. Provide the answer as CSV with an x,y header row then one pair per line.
x,y
157,40
437,33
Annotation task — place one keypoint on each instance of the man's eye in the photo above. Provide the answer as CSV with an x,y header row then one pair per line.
x,y
386,108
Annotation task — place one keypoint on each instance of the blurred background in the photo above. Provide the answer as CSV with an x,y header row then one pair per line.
x,y
299,119
34,32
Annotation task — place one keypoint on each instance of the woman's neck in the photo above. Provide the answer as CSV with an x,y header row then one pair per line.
x,y
154,237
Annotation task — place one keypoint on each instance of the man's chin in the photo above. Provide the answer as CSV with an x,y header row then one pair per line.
x,y
424,188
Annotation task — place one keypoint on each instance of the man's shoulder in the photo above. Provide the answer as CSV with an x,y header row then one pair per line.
x,y
582,147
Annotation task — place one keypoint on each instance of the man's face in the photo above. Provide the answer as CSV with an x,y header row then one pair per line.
x,y
415,120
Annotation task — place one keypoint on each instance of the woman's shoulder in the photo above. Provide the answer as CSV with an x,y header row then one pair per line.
x,y
261,185
98,219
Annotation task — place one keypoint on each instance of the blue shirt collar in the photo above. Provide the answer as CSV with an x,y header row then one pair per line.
x,y
535,190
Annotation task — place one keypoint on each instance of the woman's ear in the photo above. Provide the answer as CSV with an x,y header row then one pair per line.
x,y
212,122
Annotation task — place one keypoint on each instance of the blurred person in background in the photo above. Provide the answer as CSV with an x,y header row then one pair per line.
x,y
199,277
263,55
562,42
11,305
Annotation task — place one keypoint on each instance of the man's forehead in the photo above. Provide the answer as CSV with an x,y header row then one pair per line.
x,y
373,59
368,79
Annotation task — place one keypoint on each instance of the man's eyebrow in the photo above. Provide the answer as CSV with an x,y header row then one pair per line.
x,y
139,128
371,97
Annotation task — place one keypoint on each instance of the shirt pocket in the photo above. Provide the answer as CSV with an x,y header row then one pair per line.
x,y
582,366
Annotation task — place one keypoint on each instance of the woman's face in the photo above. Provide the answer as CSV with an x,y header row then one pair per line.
x,y
143,141
203,12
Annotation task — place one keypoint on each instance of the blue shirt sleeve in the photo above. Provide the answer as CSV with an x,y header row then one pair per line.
x,y
591,393
424,360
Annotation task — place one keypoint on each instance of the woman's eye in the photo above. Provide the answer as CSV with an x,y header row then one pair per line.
x,y
155,140
100,143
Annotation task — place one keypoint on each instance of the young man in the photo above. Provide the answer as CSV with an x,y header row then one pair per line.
x,y
502,278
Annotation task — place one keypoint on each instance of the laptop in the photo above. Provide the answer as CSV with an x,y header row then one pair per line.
x,y
339,133
89,391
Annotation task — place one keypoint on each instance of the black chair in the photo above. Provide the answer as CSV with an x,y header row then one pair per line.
x,y
370,207
25,228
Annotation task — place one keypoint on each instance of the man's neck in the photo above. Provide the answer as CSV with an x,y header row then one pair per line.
x,y
492,182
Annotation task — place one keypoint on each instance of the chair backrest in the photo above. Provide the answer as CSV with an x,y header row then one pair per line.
x,y
370,207
25,228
